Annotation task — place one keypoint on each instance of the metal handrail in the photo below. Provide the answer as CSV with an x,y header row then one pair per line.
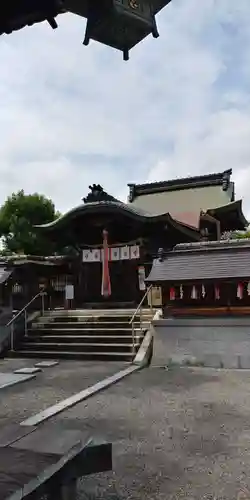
x,y
139,306
25,307
24,310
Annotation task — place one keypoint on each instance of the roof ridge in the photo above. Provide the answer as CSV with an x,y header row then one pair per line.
x,y
215,243
182,180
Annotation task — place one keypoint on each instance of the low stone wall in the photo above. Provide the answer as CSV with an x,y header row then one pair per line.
x,y
212,342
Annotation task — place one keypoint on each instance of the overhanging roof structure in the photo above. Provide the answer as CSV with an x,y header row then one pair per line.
x,y
100,208
230,216
219,260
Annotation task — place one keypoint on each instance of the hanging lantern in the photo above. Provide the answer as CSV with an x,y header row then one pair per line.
x,y
106,284
240,290
203,291
248,288
120,24
217,292
194,293
172,293
181,292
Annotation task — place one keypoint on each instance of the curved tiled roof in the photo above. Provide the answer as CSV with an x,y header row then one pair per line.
x,y
120,208
98,206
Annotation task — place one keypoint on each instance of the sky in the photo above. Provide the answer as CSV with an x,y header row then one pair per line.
x,y
72,115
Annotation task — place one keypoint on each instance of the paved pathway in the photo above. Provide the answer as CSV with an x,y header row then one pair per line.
x,y
50,386
180,434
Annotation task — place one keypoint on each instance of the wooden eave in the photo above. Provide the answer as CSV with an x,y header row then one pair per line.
x,y
230,216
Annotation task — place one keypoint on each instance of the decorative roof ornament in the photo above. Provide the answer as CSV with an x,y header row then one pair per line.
x,y
160,254
226,179
96,194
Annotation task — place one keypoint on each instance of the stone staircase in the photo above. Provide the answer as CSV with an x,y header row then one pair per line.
x,y
85,334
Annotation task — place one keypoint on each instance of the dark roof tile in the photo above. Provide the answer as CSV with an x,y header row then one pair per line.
x,y
202,262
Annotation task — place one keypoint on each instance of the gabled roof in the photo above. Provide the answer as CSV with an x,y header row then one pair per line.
x,y
216,179
189,262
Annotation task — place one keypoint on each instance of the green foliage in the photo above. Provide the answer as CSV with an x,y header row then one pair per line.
x,y
240,235
18,216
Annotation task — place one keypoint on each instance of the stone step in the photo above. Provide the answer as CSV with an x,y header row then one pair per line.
x,y
84,331
85,334
88,356
83,339
95,319
95,312
83,325
77,347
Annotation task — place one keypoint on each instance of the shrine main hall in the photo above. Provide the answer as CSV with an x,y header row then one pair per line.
x,y
114,243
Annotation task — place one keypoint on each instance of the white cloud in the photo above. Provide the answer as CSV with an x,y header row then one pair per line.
x,y
72,115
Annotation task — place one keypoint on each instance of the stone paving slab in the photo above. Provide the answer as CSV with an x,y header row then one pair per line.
x,y
28,370
9,379
47,364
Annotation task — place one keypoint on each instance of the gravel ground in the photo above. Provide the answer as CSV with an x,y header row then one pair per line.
x,y
50,386
183,433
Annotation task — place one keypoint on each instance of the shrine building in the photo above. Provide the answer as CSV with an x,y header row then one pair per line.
x,y
114,243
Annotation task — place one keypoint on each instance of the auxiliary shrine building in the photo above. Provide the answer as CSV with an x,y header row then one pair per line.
x,y
115,243
111,245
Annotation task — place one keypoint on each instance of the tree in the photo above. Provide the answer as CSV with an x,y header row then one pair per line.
x,y
18,216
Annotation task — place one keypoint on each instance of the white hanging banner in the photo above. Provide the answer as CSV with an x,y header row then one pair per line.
x,y
124,253
135,252
86,256
115,253
96,255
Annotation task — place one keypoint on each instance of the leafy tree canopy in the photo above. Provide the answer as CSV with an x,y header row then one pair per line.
x,y
18,216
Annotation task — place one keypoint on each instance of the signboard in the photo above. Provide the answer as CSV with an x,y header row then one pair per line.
x,y
155,297
141,278
69,292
